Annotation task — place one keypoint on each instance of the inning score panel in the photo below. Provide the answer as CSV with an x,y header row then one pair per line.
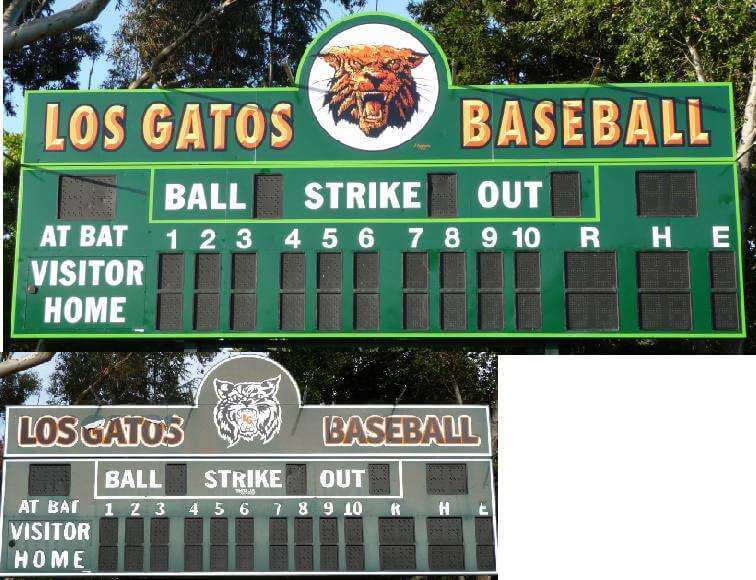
x,y
474,250
265,515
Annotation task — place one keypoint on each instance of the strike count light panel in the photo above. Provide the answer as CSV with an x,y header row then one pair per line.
x,y
488,212
193,490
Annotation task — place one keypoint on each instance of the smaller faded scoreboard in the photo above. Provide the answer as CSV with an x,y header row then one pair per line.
x,y
248,481
374,199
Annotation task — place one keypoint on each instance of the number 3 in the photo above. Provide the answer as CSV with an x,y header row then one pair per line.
x,y
245,239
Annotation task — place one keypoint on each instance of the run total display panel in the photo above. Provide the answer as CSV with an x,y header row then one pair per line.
x,y
274,487
481,212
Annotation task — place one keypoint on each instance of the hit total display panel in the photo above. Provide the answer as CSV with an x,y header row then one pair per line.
x,y
264,213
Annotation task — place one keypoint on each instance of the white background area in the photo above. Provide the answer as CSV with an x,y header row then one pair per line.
x,y
637,468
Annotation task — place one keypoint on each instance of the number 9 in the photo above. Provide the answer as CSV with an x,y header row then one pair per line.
x,y
490,237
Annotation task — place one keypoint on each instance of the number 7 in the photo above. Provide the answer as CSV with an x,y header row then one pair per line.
x,y
416,233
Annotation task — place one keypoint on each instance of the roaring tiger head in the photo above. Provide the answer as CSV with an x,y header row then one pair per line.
x,y
372,86
247,411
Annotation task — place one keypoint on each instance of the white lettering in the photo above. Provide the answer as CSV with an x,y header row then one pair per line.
x,y
589,234
720,236
658,237
174,196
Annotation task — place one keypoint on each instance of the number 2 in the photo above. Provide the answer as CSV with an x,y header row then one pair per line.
x,y
209,237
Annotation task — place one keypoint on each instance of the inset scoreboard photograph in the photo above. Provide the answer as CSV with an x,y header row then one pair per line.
x,y
249,480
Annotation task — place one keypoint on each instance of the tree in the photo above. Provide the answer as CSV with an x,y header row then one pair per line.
x,y
111,378
16,386
399,375
27,21
220,43
11,173
51,60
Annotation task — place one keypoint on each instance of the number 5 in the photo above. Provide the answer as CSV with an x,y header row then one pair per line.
x,y
329,238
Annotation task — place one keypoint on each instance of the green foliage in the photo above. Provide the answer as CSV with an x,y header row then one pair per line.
x,y
15,389
113,378
380,375
231,50
50,63
539,41
11,173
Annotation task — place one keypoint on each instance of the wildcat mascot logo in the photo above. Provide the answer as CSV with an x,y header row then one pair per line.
x,y
247,411
373,86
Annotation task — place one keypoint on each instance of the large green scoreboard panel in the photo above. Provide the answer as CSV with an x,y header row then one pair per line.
x,y
273,488
498,211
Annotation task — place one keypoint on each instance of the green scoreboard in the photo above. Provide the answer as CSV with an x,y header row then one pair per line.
x,y
374,199
248,481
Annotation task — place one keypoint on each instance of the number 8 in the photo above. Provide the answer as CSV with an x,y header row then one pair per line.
x,y
452,238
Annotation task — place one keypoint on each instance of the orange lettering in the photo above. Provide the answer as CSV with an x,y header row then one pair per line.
x,y
282,132
512,128
606,131
220,112
640,127
695,124
671,136
191,133
156,132
544,119
53,142
246,139
82,128
476,132
573,123
115,134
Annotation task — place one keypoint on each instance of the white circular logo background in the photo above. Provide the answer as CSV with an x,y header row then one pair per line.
x,y
425,75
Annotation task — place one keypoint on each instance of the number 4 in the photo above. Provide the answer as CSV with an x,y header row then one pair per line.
x,y
293,239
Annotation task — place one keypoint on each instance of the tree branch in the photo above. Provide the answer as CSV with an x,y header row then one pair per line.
x,y
40,8
152,72
12,366
748,130
15,37
13,13
695,60
101,378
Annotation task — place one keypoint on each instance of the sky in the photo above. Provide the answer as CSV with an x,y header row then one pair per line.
x,y
108,22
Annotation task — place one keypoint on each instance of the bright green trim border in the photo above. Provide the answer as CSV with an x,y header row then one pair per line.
x,y
735,173
411,220
403,335
18,220
150,219
452,87
377,163
17,252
